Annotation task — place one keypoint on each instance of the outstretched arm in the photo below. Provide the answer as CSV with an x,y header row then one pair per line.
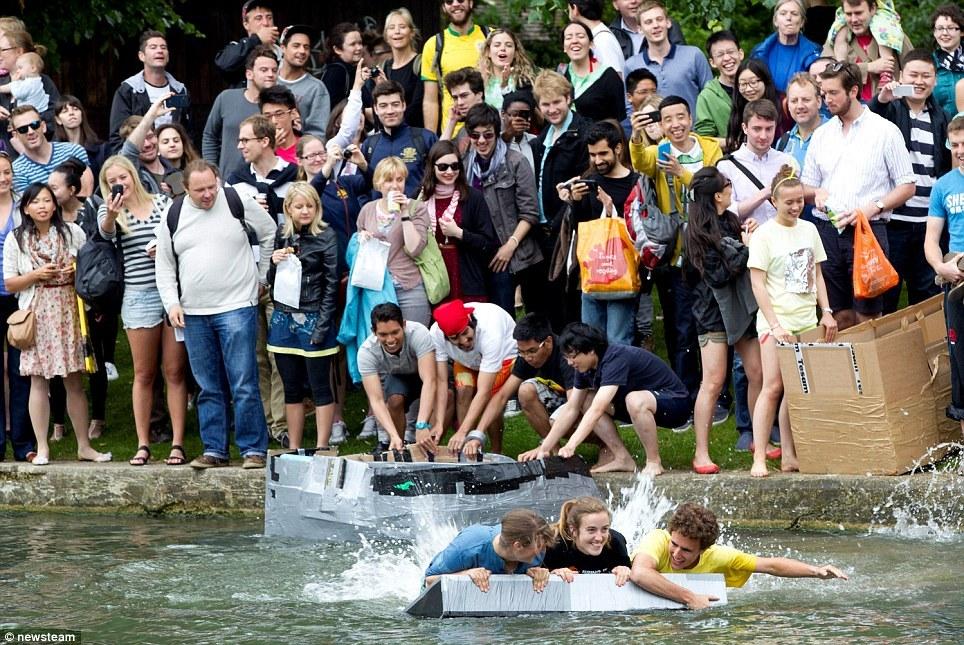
x,y
790,568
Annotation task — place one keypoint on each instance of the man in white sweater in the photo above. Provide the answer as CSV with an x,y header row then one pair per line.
x,y
210,279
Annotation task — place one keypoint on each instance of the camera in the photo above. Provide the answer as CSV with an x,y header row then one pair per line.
x,y
346,155
374,71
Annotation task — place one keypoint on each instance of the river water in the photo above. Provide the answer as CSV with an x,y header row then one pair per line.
x,y
180,580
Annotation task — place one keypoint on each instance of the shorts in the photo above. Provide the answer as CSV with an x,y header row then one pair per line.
x,y
408,386
550,398
467,378
142,308
838,270
672,409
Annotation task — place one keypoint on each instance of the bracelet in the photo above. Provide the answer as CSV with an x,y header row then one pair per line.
x,y
406,218
514,239
422,425
477,435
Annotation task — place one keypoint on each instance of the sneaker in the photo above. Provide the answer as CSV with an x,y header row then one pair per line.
x,y
252,462
338,434
208,461
368,428
720,414
111,370
686,426
744,441
512,408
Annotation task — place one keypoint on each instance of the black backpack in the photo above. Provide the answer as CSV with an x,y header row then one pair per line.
x,y
99,279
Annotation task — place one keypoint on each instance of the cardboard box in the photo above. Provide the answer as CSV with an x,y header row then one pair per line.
x,y
872,401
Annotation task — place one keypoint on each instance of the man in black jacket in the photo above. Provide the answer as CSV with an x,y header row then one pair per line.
x,y
625,27
257,18
923,123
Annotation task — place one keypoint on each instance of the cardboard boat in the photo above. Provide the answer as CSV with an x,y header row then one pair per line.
x,y
455,596
317,496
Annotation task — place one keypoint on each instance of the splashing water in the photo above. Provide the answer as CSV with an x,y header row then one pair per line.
x,y
641,509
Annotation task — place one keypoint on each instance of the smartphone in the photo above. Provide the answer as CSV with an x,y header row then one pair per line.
x,y
653,116
116,190
179,101
663,151
175,179
590,183
904,90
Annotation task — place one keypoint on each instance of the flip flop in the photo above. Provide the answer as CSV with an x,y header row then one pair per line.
x,y
140,461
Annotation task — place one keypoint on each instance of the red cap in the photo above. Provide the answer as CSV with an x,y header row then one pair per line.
x,y
452,317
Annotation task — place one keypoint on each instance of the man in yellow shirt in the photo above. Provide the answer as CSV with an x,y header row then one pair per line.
x,y
461,42
688,546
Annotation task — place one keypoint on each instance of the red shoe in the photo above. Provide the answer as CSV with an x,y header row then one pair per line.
x,y
773,453
710,469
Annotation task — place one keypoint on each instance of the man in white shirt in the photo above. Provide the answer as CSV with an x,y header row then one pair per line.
x,y
477,337
753,166
605,46
857,161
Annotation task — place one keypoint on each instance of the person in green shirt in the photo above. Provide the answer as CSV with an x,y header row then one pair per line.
x,y
715,101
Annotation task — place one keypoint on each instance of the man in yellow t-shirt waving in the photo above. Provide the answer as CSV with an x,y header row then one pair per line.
x,y
688,546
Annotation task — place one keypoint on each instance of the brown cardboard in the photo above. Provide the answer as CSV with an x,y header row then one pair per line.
x,y
873,400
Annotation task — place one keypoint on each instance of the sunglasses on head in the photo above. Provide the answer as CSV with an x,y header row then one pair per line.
x,y
442,167
33,125
475,136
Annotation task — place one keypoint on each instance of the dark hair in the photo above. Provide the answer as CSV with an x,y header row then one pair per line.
x,y
190,152
562,34
387,88
442,149
277,95
465,75
87,135
951,11
721,36
588,9
847,72
199,165
734,131
72,169
856,3
604,131
336,38
261,51
581,338
27,225
672,100
386,312
532,327
703,232
519,96
637,75
482,115
763,108
147,35
918,54
695,522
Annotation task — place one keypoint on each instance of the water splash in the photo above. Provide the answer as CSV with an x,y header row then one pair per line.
x,y
935,511
641,508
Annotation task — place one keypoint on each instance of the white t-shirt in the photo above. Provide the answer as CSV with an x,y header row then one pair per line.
x,y
493,340
607,49
154,93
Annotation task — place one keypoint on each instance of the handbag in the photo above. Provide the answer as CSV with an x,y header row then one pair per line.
x,y
22,329
607,259
435,277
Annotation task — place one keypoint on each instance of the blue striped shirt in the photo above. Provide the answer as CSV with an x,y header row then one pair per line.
x,y
27,171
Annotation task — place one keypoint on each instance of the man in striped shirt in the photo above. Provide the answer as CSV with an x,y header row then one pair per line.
x,y
923,123
40,156
857,161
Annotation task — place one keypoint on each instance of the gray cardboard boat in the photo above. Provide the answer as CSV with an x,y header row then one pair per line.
x,y
316,496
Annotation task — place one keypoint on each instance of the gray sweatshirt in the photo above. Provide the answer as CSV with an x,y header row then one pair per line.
x,y
313,103
214,261
219,143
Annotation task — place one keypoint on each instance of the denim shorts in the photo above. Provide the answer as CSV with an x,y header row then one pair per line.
x,y
142,308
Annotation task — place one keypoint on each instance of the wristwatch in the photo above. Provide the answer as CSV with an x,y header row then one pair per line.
x,y
879,203
828,310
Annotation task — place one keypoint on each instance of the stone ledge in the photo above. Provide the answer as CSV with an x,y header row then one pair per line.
x,y
779,500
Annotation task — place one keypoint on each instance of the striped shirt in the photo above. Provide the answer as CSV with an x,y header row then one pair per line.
x,y
27,171
138,265
922,158
860,166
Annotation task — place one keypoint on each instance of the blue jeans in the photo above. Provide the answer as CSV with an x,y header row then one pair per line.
x,y
615,318
21,431
221,349
744,416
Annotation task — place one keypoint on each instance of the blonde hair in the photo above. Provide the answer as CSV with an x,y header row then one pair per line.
x,y
386,169
523,70
306,191
549,85
405,15
138,192
32,58
525,527
572,513
12,23
652,102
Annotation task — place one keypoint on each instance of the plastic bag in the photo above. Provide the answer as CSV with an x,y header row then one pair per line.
x,y
607,259
873,274
287,282
370,265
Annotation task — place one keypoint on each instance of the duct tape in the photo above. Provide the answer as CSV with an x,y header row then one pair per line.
x,y
802,368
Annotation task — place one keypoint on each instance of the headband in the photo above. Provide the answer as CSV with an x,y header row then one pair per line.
x,y
792,175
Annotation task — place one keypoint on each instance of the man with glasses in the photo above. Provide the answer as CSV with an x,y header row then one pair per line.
x,y
857,161
278,105
641,85
477,338
517,110
257,19
715,101
40,156
311,93
455,47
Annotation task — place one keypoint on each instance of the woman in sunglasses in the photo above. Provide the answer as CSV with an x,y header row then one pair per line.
x,y
462,224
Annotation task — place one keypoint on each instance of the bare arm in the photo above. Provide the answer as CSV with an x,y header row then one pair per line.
x,y
496,405
563,423
376,402
599,406
645,575
932,251
430,105
758,280
790,568
427,374
483,387
826,318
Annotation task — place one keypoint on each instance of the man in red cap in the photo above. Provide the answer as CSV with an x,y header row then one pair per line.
x,y
477,338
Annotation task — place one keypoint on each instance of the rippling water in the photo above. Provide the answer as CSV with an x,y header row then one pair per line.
x,y
141,580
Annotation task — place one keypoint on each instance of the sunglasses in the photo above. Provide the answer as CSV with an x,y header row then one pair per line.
x,y
443,167
33,125
845,67
475,136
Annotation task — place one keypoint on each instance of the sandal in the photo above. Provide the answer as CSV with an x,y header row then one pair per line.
x,y
174,460
96,429
141,461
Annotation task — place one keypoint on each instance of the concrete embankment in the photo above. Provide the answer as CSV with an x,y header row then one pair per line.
x,y
779,500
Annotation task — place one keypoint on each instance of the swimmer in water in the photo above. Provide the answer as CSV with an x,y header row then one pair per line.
x,y
587,544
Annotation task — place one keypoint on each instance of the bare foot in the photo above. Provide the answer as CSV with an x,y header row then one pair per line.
x,y
58,432
790,466
759,469
625,465
605,457
96,429
653,470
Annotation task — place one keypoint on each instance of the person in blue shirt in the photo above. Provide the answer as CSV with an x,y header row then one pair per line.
x,y
516,545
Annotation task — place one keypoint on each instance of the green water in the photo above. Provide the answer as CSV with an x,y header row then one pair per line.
x,y
140,580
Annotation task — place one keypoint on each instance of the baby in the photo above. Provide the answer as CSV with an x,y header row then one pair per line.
x,y
27,87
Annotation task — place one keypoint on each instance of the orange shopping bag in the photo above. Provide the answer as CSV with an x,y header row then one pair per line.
x,y
607,259
873,273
